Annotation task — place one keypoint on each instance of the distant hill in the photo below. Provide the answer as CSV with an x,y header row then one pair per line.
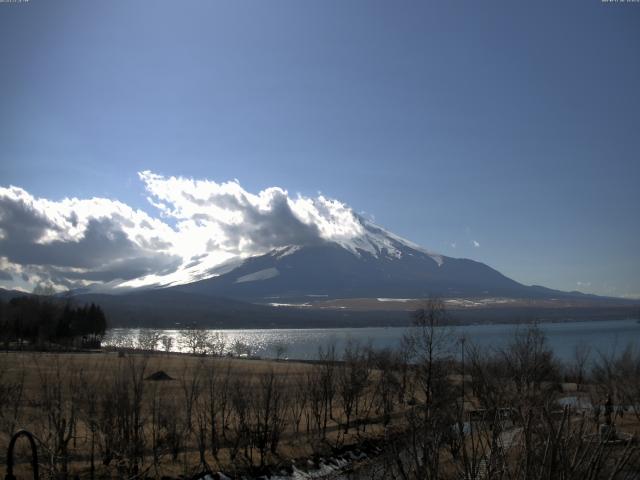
x,y
6,295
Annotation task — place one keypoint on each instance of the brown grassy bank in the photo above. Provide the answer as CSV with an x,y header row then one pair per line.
x,y
215,413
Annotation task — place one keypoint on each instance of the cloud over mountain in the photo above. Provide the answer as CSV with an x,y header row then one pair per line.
x,y
75,242
200,226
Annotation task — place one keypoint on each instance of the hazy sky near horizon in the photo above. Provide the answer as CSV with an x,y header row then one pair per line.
x,y
507,132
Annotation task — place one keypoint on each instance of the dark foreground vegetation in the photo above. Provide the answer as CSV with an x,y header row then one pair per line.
x,y
438,408
42,322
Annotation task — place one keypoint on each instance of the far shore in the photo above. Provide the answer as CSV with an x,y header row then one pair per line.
x,y
396,319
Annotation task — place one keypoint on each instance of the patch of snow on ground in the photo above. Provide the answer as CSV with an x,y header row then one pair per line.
x,y
281,252
324,470
289,304
404,300
478,302
259,275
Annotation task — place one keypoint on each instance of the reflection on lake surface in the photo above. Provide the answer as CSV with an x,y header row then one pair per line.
x,y
602,336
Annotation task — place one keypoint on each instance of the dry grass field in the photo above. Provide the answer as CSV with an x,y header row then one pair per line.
x,y
214,413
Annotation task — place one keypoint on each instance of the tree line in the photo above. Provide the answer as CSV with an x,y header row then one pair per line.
x,y
39,321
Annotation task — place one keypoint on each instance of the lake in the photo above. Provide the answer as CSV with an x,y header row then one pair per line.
x,y
601,336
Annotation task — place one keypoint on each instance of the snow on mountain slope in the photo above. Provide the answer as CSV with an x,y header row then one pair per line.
x,y
363,261
363,238
368,262
226,238
379,238
265,274
376,266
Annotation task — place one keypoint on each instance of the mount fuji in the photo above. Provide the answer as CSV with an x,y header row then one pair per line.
x,y
375,264
370,279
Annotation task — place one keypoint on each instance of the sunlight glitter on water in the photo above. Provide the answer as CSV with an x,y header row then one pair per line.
x,y
600,336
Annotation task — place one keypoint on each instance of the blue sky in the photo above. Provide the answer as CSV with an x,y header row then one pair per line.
x,y
511,124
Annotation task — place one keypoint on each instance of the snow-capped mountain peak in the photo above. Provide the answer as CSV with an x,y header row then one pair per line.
x,y
380,238
362,238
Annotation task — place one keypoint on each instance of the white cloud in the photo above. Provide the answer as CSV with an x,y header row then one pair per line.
x,y
77,242
225,217
74,242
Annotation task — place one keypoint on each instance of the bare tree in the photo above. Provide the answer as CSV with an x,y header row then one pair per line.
x,y
224,389
190,384
164,431
148,340
213,398
617,379
628,373
194,340
387,384
122,415
280,349
59,399
327,380
216,344
299,400
529,361
167,343
429,343
316,400
241,349
12,397
267,414
202,429
239,435
579,363
352,379
172,426
90,394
